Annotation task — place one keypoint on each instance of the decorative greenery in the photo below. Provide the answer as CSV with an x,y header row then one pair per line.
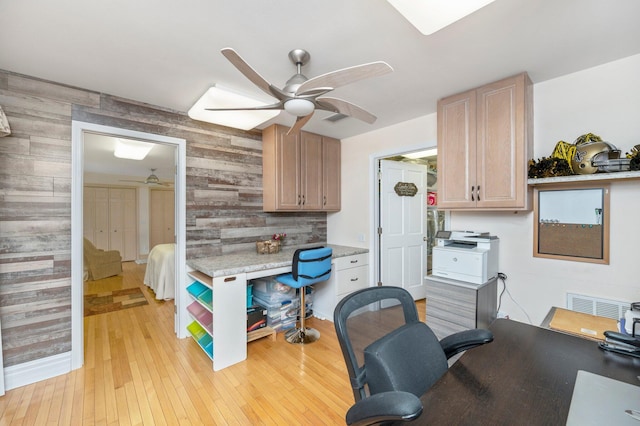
x,y
549,167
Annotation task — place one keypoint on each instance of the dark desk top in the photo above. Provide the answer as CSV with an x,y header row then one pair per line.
x,y
525,376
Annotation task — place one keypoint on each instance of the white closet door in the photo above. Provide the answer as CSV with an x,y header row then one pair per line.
x,y
129,228
161,217
116,221
101,229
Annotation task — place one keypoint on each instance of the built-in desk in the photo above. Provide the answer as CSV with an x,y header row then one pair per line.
x,y
218,288
525,376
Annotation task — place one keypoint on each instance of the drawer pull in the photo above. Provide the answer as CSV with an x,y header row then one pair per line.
x,y
354,279
354,261
228,279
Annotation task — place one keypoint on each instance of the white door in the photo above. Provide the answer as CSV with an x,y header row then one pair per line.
x,y
403,256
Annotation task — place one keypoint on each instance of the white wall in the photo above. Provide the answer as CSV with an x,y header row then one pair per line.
x,y
603,100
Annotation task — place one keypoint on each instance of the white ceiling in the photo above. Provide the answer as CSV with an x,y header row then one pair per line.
x,y
167,52
101,166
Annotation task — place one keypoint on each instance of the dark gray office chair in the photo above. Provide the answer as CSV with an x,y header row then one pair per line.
x,y
392,357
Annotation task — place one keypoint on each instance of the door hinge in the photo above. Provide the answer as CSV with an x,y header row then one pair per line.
x,y
379,283
379,230
175,309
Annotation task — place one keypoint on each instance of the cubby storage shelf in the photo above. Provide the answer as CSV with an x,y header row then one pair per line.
x,y
203,316
200,335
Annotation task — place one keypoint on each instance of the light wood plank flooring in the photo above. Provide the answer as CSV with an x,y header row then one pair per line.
x,y
138,372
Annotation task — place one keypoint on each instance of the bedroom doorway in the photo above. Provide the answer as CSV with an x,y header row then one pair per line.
x,y
80,131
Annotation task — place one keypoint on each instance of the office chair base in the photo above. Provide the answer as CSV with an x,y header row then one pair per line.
x,y
297,335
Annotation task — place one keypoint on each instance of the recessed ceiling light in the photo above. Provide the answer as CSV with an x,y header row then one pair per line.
x,y
131,150
429,16
218,97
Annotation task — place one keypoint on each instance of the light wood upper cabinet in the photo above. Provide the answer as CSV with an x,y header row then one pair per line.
x,y
485,137
300,171
331,162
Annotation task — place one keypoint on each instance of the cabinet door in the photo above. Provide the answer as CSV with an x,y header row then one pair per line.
x,y
311,171
331,151
501,153
457,151
281,169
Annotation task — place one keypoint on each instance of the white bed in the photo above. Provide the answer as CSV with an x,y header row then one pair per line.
x,y
161,271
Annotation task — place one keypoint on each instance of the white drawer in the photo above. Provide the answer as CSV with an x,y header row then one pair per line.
x,y
351,261
352,279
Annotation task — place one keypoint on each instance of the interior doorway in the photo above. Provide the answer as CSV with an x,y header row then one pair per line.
x,y
405,262
79,131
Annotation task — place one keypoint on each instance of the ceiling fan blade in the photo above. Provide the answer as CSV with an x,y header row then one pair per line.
x,y
246,70
344,76
277,105
300,122
347,108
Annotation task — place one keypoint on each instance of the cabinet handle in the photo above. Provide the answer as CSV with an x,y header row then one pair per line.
x,y
228,279
354,279
473,188
299,199
478,193
324,200
303,200
354,261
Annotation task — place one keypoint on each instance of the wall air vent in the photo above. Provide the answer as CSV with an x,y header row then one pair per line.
x,y
613,309
336,117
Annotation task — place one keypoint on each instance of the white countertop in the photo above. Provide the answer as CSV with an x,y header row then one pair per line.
x,y
241,262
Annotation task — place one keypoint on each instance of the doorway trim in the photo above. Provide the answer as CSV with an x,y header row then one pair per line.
x,y
78,128
374,208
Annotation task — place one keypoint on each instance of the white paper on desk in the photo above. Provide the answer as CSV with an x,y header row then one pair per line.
x,y
599,400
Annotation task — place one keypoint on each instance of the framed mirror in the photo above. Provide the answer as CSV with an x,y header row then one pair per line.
x,y
571,222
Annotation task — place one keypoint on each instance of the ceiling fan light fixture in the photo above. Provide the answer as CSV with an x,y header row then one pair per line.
x,y
299,107
131,150
429,16
219,97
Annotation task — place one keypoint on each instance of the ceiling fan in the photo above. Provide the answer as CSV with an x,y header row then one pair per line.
x,y
301,96
152,179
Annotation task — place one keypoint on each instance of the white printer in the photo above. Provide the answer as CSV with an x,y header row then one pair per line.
x,y
466,256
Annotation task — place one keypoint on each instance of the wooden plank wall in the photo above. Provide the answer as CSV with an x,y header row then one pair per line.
x,y
224,201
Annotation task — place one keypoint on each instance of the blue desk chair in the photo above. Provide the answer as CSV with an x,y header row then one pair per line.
x,y
310,266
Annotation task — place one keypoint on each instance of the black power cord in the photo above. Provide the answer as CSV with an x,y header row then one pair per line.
x,y
503,277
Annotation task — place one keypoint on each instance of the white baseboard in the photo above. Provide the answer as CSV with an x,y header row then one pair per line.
x,y
35,371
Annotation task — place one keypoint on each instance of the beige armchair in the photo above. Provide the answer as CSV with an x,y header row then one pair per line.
x,y
100,263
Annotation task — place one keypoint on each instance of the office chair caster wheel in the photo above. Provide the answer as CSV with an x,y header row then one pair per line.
x,y
298,335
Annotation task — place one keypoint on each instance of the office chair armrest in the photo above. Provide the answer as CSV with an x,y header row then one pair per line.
x,y
463,340
384,407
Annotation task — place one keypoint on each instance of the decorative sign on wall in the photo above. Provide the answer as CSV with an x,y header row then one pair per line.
x,y
406,189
